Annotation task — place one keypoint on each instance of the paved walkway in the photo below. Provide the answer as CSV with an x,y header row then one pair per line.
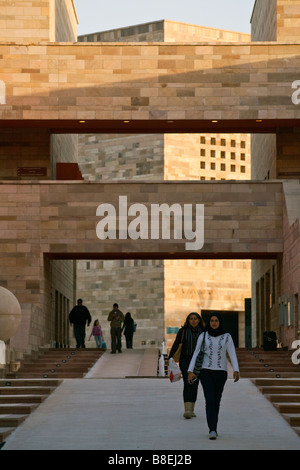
x,y
109,411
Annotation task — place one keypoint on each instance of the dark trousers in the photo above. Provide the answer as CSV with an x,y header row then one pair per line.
x,y
115,334
79,333
190,391
213,382
128,338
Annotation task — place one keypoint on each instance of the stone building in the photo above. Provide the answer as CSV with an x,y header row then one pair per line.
x,y
56,91
161,293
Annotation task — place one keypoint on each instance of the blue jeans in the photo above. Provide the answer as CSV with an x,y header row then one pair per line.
x,y
213,382
98,341
190,391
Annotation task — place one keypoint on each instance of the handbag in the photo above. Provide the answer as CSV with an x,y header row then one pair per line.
x,y
173,371
177,354
199,360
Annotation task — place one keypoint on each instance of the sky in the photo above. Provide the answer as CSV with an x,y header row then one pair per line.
x,y
97,15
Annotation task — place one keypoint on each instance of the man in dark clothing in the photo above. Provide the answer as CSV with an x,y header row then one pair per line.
x,y
116,318
78,317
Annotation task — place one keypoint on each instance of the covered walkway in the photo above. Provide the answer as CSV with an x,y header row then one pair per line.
x,y
117,407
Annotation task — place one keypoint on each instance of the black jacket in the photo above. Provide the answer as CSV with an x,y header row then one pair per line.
x,y
79,315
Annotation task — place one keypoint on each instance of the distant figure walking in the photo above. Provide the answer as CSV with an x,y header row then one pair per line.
x,y
79,317
128,328
97,333
116,318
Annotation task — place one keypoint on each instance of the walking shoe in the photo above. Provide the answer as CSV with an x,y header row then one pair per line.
x,y
212,435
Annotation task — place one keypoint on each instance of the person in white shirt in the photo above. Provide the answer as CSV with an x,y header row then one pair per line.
x,y
213,375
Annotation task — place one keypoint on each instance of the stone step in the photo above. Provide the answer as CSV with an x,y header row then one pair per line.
x,y
4,399
287,408
48,367
11,421
4,433
292,419
297,430
47,374
26,390
271,375
284,398
263,382
17,408
41,382
280,390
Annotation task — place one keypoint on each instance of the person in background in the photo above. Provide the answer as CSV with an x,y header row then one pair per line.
x,y
97,333
213,375
116,318
79,317
128,328
188,335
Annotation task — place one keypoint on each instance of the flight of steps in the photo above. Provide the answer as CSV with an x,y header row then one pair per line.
x,y
284,394
268,364
58,363
277,378
19,398
22,391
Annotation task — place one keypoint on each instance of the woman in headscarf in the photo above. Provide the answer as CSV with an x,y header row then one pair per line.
x,y
188,336
213,374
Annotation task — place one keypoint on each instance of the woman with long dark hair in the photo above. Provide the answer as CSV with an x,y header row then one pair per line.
x,y
188,336
213,375
128,327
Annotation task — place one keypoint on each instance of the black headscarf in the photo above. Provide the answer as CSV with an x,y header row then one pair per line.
x,y
218,331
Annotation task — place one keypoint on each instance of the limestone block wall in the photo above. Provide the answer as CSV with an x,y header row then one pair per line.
x,y
264,21
104,157
275,20
183,32
197,285
136,285
149,82
165,31
207,157
38,20
288,20
65,21
263,156
150,32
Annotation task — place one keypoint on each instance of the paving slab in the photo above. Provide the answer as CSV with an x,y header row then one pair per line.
x,y
134,414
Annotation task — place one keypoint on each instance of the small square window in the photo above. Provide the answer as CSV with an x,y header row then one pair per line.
x,y
243,144
223,154
213,141
202,152
232,155
202,165
223,167
202,140
212,153
223,142
243,169
212,166
232,167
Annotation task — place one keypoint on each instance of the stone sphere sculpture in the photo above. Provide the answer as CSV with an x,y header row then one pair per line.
x,y
10,314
